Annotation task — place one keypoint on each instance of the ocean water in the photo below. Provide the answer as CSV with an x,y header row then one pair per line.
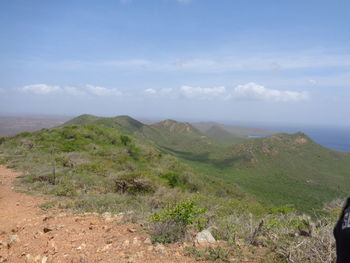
x,y
336,138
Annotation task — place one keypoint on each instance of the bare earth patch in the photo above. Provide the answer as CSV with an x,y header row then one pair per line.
x,y
29,234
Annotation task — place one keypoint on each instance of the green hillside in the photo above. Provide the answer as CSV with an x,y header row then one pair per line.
x,y
223,136
98,166
283,169
276,170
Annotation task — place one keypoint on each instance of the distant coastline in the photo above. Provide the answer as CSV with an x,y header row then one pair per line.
x,y
335,138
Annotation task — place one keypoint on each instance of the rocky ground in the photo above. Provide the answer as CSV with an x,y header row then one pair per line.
x,y
30,234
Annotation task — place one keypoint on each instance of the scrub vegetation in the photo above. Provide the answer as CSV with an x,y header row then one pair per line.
x,y
273,193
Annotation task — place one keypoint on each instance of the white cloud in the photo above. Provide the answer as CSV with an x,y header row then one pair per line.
x,y
41,89
202,93
312,82
101,91
253,91
150,91
73,91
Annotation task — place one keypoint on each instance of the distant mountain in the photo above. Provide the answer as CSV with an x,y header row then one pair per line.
x,y
235,129
219,134
175,126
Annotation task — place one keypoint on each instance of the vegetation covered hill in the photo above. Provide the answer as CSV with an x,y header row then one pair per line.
x,y
97,166
241,131
277,170
177,181
219,134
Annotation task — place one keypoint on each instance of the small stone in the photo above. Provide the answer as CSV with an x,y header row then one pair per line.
x,y
160,249
107,215
132,230
126,243
13,239
204,237
105,248
147,241
82,246
136,241
47,229
29,258
44,259
37,259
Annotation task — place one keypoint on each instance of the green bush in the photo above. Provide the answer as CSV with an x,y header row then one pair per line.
x,y
215,254
184,213
2,140
125,139
64,190
286,209
174,179
170,224
24,134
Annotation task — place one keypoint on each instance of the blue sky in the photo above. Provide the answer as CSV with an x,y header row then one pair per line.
x,y
228,60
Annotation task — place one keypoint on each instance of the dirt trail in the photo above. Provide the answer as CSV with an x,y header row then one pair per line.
x,y
29,234
14,206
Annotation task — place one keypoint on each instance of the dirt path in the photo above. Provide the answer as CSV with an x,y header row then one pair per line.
x,y
15,207
29,234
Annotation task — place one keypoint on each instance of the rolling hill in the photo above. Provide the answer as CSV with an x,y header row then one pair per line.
x,y
276,170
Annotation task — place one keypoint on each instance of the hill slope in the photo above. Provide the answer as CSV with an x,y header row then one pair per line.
x,y
284,169
279,169
223,136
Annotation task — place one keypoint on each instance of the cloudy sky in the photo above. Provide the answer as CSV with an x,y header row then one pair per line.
x,y
254,61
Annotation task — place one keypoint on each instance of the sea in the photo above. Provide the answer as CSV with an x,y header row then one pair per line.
x,y
332,137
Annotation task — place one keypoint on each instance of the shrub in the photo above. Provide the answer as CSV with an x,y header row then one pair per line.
x,y
125,139
216,254
2,140
24,134
174,179
64,190
170,224
282,210
133,184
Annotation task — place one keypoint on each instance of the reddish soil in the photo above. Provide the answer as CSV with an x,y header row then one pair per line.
x,y
29,234
55,237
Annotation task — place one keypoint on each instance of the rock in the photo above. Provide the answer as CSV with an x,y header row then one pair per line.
x,y
44,259
81,247
47,229
13,239
147,241
160,249
126,243
132,230
204,237
105,248
107,214
29,258
37,259
136,241
47,218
